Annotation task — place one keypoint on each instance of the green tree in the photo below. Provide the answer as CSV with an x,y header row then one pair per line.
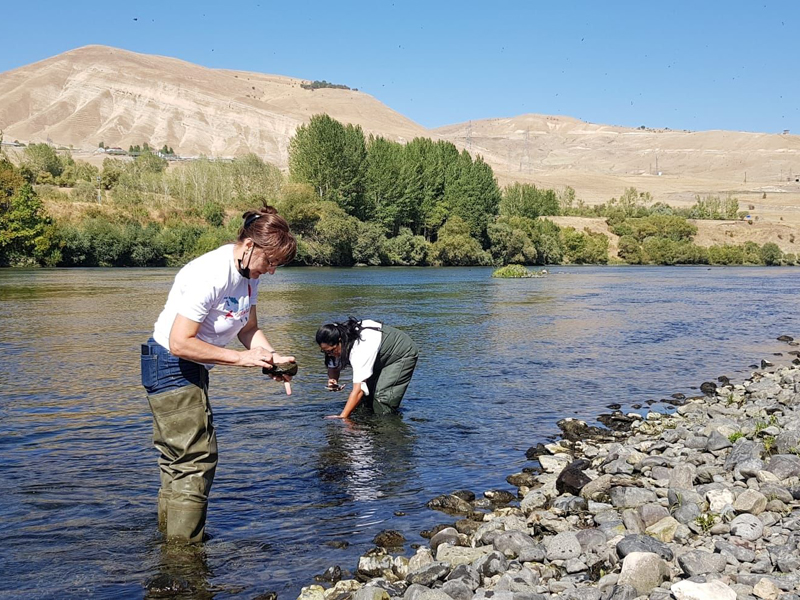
x,y
407,249
41,159
526,200
771,254
509,245
370,245
584,247
331,157
26,231
455,246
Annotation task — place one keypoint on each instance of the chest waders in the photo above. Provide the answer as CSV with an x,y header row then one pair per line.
x,y
184,434
392,371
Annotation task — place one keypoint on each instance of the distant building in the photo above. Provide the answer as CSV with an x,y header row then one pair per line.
x,y
115,150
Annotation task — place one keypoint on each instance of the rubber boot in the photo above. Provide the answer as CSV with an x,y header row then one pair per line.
x,y
163,500
186,522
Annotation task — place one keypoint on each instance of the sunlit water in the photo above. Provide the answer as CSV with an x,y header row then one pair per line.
x,y
501,362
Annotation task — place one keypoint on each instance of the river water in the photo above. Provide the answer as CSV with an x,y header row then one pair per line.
x,y
501,362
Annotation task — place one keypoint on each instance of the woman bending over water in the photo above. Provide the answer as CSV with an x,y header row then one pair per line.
x,y
383,360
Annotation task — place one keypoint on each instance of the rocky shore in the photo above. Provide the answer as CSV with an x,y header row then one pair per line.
x,y
700,504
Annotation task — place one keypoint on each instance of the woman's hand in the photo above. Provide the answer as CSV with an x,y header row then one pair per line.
x,y
257,357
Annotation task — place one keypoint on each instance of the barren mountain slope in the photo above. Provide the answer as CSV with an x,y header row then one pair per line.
x,y
599,161
97,93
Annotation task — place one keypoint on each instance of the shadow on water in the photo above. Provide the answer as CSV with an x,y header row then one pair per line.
x,y
501,361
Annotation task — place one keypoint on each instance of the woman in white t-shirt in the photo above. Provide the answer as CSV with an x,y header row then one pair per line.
x,y
212,301
383,360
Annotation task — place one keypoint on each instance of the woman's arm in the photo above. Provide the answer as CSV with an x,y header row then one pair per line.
x,y
352,401
184,343
252,337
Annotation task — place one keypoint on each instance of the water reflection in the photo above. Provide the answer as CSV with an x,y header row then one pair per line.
x,y
366,458
182,572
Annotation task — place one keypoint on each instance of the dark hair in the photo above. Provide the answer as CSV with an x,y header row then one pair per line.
x,y
269,230
345,333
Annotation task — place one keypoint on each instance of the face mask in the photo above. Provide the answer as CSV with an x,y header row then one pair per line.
x,y
245,271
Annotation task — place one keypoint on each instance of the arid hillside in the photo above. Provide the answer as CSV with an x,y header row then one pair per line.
x,y
599,161
122,98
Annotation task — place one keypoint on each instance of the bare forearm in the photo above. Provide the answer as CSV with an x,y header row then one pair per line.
x,y
352,401
197,350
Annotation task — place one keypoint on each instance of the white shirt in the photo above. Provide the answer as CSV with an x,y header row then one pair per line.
x,y
209,290
364,353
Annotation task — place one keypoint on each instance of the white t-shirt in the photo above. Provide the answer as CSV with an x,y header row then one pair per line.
x,y
364,353
210,291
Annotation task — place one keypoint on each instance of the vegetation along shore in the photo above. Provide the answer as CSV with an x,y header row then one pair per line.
x,y
351,199
700,504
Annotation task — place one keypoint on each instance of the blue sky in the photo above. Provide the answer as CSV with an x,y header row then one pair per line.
x,y
684,65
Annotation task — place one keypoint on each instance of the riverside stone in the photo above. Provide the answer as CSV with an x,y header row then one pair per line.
x,y
664,529
429,573
631,497
467,575
712,590
750,501
563,546
784,466
448,535
457,590
644,571
643,543
459,555
766,590
700,562
747,527
450,503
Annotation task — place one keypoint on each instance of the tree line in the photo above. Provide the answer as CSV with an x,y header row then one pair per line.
x,y
350,198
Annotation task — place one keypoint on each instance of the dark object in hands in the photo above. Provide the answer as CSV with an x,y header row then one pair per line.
x,y
335,388
287,368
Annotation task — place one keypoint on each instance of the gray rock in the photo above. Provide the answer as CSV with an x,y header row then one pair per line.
x,y
784,466
787,441
697,442
786,557
633,522
686,513
369,592
533,500
563,546
750,501
580,594
631,497
624,592
451,504
510,543
467,575
652,513
747,527
644,571
591,540
429,574
415,592
743,449
738,552
643,543
699,562
448,535
570,504
749,468
717,441
492,564
457,590
682,476
458,555
711,590
773,491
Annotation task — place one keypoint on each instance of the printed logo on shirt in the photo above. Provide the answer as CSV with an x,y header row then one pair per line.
x,y
232,311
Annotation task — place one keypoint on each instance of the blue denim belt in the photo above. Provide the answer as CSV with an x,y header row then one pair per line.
x,y
161,371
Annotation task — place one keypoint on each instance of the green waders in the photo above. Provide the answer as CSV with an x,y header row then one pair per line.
x,y
184,434
392,372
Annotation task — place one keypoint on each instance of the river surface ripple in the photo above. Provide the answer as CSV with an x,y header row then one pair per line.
x,y
501,362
